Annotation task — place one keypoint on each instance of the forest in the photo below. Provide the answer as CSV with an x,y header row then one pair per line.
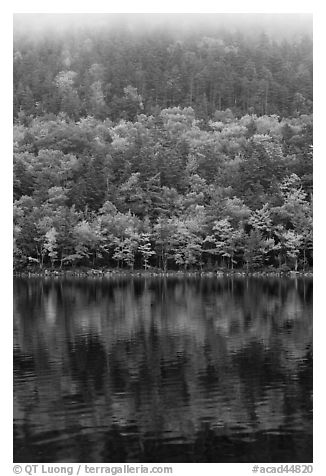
x,y
162,150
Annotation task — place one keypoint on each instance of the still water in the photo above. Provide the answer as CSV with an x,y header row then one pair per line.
x,y
162,370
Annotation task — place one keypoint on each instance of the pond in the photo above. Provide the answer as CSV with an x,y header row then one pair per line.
x,y
162,370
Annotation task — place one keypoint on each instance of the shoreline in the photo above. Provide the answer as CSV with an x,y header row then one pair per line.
x,y
93,273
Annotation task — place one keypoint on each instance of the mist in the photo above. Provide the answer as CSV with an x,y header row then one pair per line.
x,y
277,26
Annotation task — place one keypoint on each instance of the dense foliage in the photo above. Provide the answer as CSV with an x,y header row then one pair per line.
x,y
147,151
117,73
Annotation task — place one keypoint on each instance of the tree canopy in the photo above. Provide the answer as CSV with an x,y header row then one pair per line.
x,y
163,149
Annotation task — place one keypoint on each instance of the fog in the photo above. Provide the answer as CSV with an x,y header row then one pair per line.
x,y
276,25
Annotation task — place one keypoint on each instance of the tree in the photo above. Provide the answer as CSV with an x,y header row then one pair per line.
x,y
87,239
226,240
70,102
127,247
23,181
187,244
51,168
90,184
260,171
163,231
145,248
64,220
50,245
260,220
293,243
235,211
130,196
253,246
295,215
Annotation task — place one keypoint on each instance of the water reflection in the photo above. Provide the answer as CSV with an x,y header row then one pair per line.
x,y
197,370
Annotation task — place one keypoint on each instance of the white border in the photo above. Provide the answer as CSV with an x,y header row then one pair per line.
x,y
279,6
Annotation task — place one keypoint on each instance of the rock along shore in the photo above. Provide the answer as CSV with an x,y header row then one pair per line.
x,y
97,273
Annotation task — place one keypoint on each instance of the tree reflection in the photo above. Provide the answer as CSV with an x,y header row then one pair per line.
x,y
162,370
